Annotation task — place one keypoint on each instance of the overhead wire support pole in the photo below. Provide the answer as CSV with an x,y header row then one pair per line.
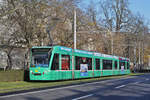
x,y
139,64
112,43
75,45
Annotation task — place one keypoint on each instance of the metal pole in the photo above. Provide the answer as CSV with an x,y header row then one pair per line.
x,y
139,65
135,55
112,43
74,28
74,44
148,60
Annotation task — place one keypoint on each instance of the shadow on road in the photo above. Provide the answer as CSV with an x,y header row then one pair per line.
x,y
133,91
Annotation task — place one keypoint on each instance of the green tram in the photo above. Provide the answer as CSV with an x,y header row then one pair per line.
x,y
62,63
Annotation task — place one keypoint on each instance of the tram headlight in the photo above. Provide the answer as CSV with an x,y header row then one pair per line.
x,y
45,72
31,72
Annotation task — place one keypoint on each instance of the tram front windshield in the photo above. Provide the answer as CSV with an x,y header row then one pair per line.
x,y
41,57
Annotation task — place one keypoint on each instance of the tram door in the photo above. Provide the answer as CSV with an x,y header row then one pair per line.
x,y
65,67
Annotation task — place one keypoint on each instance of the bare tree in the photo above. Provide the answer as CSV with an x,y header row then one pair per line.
x,y
116,14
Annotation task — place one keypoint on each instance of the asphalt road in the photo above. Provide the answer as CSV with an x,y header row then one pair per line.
x,y
130,88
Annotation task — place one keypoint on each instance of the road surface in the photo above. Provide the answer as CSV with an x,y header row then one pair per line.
x,y
130,88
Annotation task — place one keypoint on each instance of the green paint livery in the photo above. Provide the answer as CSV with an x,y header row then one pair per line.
x,y
45,72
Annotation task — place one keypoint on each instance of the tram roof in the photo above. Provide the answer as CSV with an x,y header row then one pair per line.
x,y
63,48
34,47
105,55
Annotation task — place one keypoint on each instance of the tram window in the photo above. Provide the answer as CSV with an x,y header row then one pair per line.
x,y
107,64
78,61
121,63
83,60
65,62
89,62
97,64
116,64
128,65
55,63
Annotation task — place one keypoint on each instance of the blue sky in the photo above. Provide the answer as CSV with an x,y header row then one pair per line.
x,y
136,6
141,6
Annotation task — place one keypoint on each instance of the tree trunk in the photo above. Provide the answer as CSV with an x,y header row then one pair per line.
x,y
9,62
26,59
8,51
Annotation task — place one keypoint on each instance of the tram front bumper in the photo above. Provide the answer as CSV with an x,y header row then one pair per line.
x,y
39,75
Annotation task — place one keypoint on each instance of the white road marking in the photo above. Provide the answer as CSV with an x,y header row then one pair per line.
x,y
6,96
136,82
83,97
120,86
147,79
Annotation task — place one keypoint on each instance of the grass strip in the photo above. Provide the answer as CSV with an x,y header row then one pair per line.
x,y
6,87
